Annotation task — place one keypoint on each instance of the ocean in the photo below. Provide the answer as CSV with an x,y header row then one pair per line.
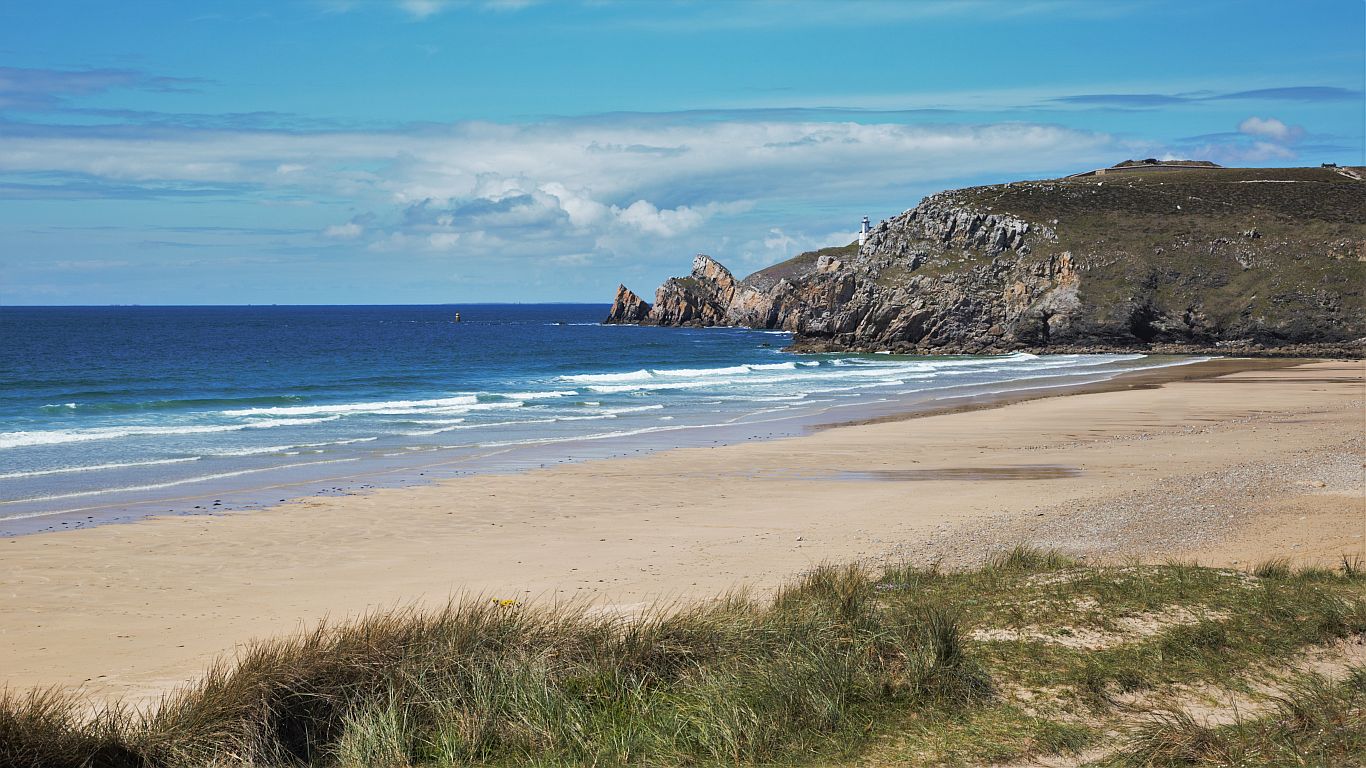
x,y
109,413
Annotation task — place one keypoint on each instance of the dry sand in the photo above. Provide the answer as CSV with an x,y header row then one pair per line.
x,y
1235,469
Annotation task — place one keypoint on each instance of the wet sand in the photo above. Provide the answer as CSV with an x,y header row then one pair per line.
x,y
1197,463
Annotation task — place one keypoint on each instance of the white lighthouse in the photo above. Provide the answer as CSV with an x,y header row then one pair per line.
x,y
863,232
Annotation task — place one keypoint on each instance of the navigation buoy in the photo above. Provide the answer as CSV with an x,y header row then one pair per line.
x,y
457,317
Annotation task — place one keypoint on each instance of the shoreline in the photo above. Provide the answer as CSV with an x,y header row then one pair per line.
x,y
1147,378
133,610
363,474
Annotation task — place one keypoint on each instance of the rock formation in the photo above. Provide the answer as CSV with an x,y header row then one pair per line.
x,y
701,298
627,308
1161,261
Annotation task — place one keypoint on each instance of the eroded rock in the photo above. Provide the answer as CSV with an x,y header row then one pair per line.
x,y
627,308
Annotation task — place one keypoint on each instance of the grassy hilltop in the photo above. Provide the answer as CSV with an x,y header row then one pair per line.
x,y
1032,656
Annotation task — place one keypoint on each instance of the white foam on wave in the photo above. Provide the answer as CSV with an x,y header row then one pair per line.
x,y
608,378
633,409
59,436
287,448
597,436
644,375
615,389
383,407
97,467
881,371
450,409
699,372
596,416
261,451
457,427
541,395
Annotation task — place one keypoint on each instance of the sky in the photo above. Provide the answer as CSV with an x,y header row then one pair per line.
x,y
449,151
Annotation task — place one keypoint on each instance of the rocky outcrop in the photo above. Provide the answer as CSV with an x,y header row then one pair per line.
x,y
702,298
627,308
1147,263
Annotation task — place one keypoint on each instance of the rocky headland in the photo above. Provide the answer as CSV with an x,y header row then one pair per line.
x,y
1237,260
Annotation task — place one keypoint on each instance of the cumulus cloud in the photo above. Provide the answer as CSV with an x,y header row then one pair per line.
x,y
624,188
1270,128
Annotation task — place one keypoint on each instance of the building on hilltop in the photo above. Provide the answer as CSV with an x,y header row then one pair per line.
x,y
1148,165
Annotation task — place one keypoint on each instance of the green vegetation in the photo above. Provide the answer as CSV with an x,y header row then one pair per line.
x,y
1031,655
1316,722
798,265
1262,253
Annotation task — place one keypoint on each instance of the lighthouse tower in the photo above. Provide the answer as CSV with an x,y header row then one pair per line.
x,y
863,232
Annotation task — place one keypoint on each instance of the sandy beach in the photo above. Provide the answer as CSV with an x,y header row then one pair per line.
x,y
1231,469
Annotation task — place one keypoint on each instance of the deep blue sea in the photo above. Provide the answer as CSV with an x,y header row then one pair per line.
x,y
120,410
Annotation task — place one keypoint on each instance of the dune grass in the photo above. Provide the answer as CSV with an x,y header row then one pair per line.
x,y
736,680
1029,655
1316,722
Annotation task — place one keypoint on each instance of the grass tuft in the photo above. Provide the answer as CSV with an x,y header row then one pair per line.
x,y
1316,722
46,728
1277,568
1352,567
1023,557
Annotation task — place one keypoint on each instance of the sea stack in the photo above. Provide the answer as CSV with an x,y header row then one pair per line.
x,y
627,308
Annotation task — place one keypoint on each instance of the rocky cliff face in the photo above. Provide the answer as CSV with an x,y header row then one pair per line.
x,y
1235,259
627,308
701,298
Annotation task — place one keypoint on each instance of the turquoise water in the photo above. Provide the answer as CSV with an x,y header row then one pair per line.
x,y
116,410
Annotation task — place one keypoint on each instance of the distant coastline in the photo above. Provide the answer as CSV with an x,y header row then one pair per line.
x,y
1182,258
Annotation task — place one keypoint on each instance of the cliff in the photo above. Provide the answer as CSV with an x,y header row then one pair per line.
x,y
1238,260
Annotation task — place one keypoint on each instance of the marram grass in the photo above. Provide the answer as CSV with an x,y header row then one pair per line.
x,y
734,681
845,665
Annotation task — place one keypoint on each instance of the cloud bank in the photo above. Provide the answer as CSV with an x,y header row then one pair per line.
x,y
563,189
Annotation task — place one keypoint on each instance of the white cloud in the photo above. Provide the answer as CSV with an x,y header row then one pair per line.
x,y
645,217
567,161
1261,151
443,241
626,188
1270,128
348,231
779,244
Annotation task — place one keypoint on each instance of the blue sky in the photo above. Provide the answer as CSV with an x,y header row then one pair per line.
x,y
421,151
